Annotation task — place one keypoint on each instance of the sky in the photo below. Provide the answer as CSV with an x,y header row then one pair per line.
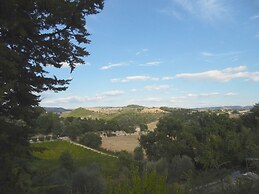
x,y
176,53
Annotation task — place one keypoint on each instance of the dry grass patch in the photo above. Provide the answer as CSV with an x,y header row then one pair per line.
x,y
152,126
119,143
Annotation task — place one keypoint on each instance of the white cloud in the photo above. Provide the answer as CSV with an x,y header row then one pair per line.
x,y
224,75
114,80
141,78
142,51
83,99
69,99
151,63
254,76
111,93
112,66
186,4
230,94
207,54
157,87
235,69
152,99
208,10
167,78
254,17
203,94
171,12
178,99
133,90
225,54
66,65
134,78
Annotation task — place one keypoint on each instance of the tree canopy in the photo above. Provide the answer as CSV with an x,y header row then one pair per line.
x,y
34,34
211,140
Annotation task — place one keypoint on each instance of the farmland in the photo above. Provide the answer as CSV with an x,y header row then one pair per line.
x,y
119,143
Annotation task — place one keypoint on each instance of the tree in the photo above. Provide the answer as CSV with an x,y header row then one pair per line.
x,y
73,130
251,119
91,139
143,127
48,123
34,34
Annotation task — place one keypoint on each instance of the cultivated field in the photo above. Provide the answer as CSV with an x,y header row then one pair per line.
x,y
128,143
119,143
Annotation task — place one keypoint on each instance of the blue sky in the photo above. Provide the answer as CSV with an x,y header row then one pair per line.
x,y
177,53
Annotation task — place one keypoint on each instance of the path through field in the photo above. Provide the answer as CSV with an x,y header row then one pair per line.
x,y
94,150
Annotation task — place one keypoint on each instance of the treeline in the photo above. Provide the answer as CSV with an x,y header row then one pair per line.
x,y
51,123
132,175
205,146
188,151
87,130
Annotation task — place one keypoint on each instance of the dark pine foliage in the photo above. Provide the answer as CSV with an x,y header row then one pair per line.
x,y
34,34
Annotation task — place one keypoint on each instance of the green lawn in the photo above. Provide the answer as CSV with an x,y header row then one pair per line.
x,y
47,160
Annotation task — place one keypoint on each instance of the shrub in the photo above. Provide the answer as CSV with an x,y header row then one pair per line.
x,y
88,180
66,161
180,167
91,139
138,154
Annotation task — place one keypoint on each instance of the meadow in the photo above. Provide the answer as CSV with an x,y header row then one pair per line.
x,y
47,157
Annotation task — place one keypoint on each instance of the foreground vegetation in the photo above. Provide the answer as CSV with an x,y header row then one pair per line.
x,y
189,152
47,155
60,167
186,153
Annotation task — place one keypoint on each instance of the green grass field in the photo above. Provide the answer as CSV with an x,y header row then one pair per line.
x,y
47,160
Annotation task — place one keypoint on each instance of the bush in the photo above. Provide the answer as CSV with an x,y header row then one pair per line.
x,y
66,161
125,159
143,127
180,167
138,154
88,180
91,139
54,137
47,138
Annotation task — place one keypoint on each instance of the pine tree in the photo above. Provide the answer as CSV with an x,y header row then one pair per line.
x,y
34,34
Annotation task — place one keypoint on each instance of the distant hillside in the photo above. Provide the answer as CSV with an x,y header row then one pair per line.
x,y
56,109
134,106
120,114
83,113
226,107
